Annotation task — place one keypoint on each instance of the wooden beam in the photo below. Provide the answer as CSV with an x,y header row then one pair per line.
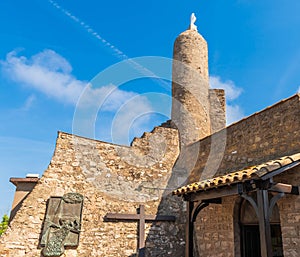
x,y
264,223
203,205
121,216
235,189
142,252
189,232
285,188
213,193
134,217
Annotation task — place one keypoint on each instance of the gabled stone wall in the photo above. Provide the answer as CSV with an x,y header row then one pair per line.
x,y
111,178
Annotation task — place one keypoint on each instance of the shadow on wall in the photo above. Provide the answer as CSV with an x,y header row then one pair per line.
x,y
167,238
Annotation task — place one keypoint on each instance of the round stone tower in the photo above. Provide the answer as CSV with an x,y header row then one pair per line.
x,y
190,86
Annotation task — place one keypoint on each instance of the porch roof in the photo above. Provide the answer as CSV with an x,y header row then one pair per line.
x,y
261,171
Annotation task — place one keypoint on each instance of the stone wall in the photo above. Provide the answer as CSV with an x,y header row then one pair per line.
x,y
269,134
289,208
214,229
112,179
217,228
217,109
266,135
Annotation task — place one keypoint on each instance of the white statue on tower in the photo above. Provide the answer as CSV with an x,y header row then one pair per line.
x,y
193,20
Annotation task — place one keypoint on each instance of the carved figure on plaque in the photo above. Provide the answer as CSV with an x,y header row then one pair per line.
x,y
62,224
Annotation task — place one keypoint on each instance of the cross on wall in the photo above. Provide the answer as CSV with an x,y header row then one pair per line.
x,y
142,218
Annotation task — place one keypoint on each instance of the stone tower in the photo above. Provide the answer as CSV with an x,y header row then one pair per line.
x,y
190,86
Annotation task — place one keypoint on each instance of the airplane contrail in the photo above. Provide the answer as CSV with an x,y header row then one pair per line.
x,y
90,30
117,52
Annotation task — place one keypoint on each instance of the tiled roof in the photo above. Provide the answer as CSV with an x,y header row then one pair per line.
x,y
239,176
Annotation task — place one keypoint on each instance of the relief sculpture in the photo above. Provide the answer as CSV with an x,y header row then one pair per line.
x,y
62,224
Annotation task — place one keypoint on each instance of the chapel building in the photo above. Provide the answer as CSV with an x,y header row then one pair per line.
x,y
191,187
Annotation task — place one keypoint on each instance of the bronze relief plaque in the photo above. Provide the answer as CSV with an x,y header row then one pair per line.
x,y
62,224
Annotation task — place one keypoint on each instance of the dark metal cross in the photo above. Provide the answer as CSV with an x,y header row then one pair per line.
x,y
142,218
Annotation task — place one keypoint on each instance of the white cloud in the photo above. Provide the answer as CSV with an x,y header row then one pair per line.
x,y
231,90
51,74
52,61
47,72
233,111
106,98
119,114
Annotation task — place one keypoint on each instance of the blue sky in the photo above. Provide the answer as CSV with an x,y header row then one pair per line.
x,y
51,50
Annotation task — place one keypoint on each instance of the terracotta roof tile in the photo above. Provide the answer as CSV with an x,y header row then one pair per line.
x,y
238,176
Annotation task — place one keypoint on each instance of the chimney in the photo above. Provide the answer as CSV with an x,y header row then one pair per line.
x,y
23,187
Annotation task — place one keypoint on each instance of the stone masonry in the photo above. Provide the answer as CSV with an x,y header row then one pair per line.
x,y
192,147
218,230
116,179
112,179
267,135
190,106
